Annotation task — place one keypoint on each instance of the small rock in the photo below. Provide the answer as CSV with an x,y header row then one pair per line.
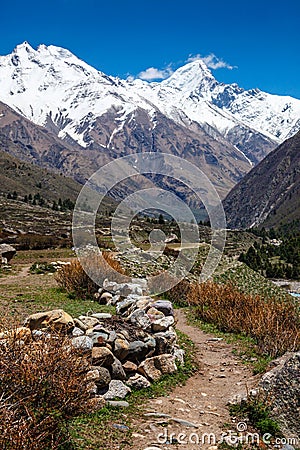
x,y
98,338
120,427
104,377
184,423
179,355
80,325
56,319
38,334
165,342
162,324
153,368
90,322
150,342
111,337
77,332
143,302
138,436
84,343
117,371
137,381
165,306
102,356
129,367
124,305
140,319
117,389
137,350
102,316
179,400
123,289
121,348
105,298
154,314
93,375
118,404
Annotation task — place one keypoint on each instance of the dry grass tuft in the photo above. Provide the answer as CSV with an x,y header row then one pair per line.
x,y
273,324
43,386
75,280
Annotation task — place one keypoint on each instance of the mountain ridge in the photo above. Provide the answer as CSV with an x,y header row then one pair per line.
x,y
223,129
269,194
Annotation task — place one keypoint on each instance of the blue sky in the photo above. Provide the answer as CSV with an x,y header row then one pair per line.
x,y
259,38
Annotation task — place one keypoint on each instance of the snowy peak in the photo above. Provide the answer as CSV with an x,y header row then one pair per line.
x,y
54,88
25,56
191,77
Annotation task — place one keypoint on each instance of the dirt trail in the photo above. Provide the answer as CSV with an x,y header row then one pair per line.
x,y
202,401
12,279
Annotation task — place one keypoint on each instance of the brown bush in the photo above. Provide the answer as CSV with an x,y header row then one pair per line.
x,y
74,279
43,386
273,324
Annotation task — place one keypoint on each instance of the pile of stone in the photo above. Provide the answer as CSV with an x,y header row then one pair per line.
x,y
129,350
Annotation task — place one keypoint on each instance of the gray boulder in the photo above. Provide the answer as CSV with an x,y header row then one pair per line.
x,y
165,306
83,343
7,252
140,319
165,342
138,381
162,324
102,356
121,348
116,389
154,368
137,351
117,371
104,377
281,387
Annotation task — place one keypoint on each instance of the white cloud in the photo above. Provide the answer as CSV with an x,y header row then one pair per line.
x,y
152,73
212,61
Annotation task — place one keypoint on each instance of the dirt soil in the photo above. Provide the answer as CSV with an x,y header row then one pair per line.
x,y
202,402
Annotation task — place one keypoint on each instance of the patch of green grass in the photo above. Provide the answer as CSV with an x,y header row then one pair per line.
x,y
250,282
244,346
30,302
58,298
32,256
258,414
97,429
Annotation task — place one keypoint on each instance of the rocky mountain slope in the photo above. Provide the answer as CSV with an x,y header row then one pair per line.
x,y
269,194
25,179
221,128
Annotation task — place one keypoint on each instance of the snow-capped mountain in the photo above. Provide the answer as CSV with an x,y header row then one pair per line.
x,y
222,128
